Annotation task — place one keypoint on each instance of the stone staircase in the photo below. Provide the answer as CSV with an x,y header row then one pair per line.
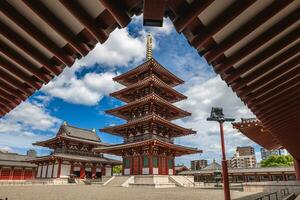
x,y
183,181
116,181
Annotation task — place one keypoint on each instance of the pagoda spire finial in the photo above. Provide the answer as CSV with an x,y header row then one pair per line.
x,y
149,47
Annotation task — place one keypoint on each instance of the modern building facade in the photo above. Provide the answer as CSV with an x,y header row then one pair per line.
x,y
149,134
72,154
198,164
267,153
243,158
14,166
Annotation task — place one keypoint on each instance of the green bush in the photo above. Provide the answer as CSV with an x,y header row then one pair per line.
x,y
277,161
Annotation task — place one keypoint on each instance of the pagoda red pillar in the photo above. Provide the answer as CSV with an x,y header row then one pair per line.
x,y
58,169
82,172
150,164
297,168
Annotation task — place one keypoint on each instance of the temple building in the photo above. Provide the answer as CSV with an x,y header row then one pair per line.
x,y
149,134
72,154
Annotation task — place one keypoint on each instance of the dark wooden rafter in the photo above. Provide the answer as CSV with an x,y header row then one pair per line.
x,y
12,90
55,23
9,97
153,12
266,53
268,82
7,65
85,19
195,8
116,10
24,63
220,22
28,48
270,65
246,29
259,41
6,103
35,33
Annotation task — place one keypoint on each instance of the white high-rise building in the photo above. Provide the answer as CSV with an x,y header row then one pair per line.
x,y
243,158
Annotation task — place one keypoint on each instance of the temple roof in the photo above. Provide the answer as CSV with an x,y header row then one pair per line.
x,y
72,133
254,130
153,118
178,149
14,159
151,64
151,97
147,81
74,157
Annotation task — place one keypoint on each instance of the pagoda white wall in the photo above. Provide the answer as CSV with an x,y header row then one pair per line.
x,y
49,173
170,171
38,174
44,171
65,171
88,169
76,169
145,170
155,170
98,169
55,170
107,171
126,171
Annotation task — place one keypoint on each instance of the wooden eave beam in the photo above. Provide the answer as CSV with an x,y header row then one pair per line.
x,y
290,117
44,13
220,22
258,41
10,89
275,78
9,97
7,65
85,19
28,48
153,12
35,33
117,10
4,108
7,104
274,92
269,66
265,54
15,83
24,63
246,29
195,8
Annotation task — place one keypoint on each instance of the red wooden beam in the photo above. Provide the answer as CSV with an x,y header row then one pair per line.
x,y
274,92
220,22
15,82
266,53
272,64
10,89
24,63
55,23
85,19
6,103
34,32
4,108
117,10
290,117
153,12
259,41
9,97
246,29
195,9
275,78
28,48
7,65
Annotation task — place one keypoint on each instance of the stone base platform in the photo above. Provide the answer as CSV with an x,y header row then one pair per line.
x,y
152,181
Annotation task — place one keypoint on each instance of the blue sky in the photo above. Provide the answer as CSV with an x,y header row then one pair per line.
x,y
80,95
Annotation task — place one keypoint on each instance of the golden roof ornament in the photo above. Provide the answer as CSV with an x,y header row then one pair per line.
x,y
149,47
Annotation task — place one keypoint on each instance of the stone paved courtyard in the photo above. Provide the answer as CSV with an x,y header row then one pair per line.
x,y
94,192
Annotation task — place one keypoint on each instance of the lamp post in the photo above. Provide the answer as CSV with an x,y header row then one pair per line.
x,y
217,115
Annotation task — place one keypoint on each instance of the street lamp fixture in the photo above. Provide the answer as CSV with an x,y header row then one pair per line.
x,y
217,115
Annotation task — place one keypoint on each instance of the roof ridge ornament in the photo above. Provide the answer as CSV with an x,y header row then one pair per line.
x,y
149,47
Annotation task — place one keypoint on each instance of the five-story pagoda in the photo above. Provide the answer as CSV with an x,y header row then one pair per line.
x,y
148,146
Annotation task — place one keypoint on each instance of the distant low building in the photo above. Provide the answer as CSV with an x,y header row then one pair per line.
x,y
243,158
14,166
198,164
267,153
180,168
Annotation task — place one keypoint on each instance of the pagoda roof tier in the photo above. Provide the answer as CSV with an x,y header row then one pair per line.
x,y
168,77
254,130
71,133
74,157
118,149
118,130
151,80
144,100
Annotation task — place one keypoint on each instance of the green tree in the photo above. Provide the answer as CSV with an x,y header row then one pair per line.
x,y
117,169
277,161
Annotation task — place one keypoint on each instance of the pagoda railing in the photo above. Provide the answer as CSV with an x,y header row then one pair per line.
x,y
147,137
78,152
